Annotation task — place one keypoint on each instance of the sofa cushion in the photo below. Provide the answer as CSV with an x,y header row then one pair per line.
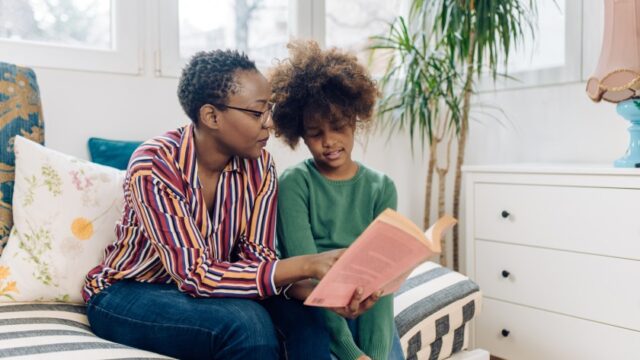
x,y
114,153
56,331
432,309
65,211
20,114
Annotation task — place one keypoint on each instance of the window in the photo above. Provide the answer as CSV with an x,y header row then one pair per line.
x,y
257,27
547,49
553,56
349,24
262,28
94,35
115,35
71,23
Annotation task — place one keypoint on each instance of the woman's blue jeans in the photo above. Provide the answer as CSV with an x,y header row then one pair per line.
x,y
159,318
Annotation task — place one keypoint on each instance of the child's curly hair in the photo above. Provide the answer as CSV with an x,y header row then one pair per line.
x,y
328,83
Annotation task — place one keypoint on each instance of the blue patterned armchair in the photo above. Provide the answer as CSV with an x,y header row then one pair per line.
x,y
20,114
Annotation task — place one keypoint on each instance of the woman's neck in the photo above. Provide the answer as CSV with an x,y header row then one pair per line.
x,y
209,153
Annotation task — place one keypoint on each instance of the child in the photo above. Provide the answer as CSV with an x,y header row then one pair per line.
x,y
326,202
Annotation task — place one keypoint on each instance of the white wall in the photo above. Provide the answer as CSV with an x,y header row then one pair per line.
x,y
548,124
78,105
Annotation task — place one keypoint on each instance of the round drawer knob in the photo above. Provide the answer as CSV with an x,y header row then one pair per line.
x,y
505,214
505,332
505,274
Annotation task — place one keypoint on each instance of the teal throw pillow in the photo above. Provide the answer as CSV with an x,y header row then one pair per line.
x,y
114,153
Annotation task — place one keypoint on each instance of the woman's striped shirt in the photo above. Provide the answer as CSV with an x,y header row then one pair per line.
x,y
167,235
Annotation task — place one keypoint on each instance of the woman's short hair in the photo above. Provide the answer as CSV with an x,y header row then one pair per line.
x,y
209,78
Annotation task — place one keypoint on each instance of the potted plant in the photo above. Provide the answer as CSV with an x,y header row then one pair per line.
x,y
428,84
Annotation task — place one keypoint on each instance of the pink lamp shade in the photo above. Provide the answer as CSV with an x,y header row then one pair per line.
x,y
617,76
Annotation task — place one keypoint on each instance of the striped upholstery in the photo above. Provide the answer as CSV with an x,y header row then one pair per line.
x,y
56,331
432,310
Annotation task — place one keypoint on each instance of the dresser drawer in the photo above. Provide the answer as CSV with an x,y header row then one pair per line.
x,y
587,286
594,220
536,335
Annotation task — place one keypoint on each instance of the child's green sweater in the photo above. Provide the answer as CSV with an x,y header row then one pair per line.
x,y
316,214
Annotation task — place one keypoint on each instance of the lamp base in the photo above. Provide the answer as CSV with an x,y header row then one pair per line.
x,y
630,110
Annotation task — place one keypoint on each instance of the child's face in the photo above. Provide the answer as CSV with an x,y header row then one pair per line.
x,y
330,144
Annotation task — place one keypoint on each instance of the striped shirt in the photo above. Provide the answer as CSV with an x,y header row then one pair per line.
x,y
167,235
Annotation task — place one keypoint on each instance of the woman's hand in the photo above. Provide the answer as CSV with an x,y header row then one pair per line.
x,y
364,357
319,264
304,267
300,290
357,306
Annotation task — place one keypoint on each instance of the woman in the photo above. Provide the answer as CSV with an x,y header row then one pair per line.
x,y
195,245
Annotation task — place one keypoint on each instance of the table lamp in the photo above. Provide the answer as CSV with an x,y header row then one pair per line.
x,y
617,76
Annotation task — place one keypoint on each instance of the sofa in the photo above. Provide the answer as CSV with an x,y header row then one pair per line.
x,y
59,220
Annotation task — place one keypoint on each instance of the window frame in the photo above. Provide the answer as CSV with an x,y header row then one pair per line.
x,y
570,72
592,35
124,58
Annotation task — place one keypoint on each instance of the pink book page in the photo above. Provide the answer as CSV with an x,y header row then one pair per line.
x,y
434,233
381,258
380,254
433,237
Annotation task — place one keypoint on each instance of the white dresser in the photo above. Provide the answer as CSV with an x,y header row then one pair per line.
x,y
555,250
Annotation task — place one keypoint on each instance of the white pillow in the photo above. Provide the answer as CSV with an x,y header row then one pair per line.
x,y
64,214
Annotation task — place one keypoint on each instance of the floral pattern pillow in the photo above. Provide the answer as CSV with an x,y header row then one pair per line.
x,y
64,212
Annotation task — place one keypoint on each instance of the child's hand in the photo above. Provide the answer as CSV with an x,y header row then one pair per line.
x,y
364,357
321,263
357,306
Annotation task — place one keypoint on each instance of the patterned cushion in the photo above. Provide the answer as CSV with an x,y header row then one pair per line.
x,y
20,114
51,331
432,309
64,215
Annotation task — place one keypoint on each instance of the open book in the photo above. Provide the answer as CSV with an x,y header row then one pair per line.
x,y
382,257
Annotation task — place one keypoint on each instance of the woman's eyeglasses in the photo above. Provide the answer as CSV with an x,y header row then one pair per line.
x,y
263,116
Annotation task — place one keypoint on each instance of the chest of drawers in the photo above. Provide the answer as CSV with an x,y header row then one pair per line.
x,y
556,253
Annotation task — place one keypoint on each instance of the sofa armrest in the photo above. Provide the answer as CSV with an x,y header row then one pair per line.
x,y
433,305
